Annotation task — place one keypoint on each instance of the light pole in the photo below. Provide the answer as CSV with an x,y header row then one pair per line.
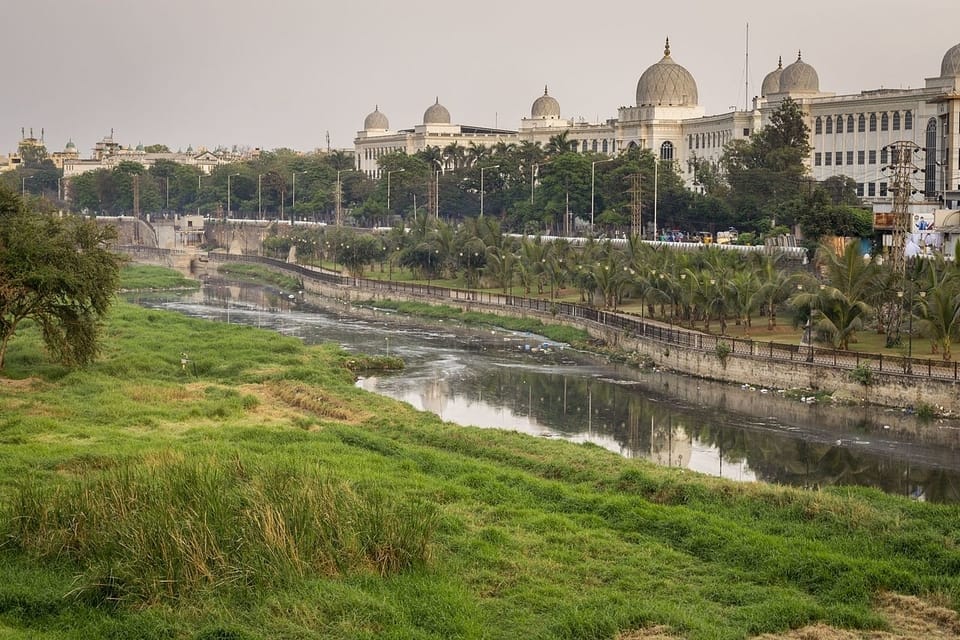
x,y
388,186
294,204
656,181
259,197
482,169
535,171
593,170
23,186
339,195
200,175
168,192
229,175
61,192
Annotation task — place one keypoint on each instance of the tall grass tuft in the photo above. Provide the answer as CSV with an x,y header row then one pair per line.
x,y
146,532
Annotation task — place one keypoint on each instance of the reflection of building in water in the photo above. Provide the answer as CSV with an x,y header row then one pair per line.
x,y
670,445
433,396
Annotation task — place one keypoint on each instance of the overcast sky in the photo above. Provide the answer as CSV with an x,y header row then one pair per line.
x,y
282,73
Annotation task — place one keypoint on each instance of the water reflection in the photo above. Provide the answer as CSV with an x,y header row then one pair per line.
x,y
499,379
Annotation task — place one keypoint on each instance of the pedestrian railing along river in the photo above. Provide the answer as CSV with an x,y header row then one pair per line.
x,y
635,327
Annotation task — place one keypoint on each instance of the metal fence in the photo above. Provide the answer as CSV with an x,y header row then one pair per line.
x,y
632,326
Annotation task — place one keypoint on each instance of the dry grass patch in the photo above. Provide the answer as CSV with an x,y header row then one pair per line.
x,y
650,633
315,401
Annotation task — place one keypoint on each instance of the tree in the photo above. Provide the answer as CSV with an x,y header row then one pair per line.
x,y
57,272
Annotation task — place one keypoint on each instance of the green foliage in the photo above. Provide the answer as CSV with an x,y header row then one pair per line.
x,y
723,352
59,273
140,277
259,274
862,374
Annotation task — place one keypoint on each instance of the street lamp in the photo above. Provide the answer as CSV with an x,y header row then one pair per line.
x,y
200,175
656,182
482,169
294,204
534,171
23,186
259,197
593,169
61,192
168,192
388,186
229,175
339,195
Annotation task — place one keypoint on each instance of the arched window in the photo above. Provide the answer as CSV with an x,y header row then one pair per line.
x,y
698,141
690,141
884,121
861,123
873,122
839,124
605,145
908,120
594,146
930,164
829,124
666,151
818,125
849,124
896,121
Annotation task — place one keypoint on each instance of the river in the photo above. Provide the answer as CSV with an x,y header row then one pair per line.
x,y
499,379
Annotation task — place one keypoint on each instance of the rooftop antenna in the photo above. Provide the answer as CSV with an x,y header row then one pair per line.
x,y
328,140
746,72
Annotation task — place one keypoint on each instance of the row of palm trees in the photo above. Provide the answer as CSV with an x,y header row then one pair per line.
x,y
839,293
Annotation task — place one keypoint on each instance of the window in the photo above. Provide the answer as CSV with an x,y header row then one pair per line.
x,y
829,124
817,159
908,120
873,122
850,157
828,157
872,189
849,124
594,146
818,125
666,151
839,124
606,145
873,156
698,141
861,124
861,157
884,156
839,158
883,189
860,189
746,132
689,142
896,121
930,161
884,122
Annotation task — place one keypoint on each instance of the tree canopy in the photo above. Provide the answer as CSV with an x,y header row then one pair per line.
x,y
58,272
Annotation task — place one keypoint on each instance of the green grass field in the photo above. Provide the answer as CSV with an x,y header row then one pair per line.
x,y
251,491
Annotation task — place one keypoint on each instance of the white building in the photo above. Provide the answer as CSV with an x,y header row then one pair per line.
x,y
848,133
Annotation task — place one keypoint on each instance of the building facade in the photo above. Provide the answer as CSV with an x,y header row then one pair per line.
x,y
848,133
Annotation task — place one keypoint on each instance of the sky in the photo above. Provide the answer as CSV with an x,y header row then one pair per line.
x,y
283,73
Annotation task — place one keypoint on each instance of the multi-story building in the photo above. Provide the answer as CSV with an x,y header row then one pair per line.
x,y
848,133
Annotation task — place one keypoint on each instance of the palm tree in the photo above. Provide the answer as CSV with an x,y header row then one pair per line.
x,y
775,286
501,267
455,155
476,153
560,143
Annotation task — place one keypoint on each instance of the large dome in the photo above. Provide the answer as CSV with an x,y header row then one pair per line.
x,y
799,77
666,83
950,67
771,83
436,114
545,106
376,120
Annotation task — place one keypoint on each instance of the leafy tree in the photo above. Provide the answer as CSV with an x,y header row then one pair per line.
x,y
156,148
57,272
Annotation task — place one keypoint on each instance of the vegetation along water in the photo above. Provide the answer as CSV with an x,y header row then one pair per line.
x,y
250,490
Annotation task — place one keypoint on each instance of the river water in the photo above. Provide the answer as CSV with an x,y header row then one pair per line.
x,y
499,379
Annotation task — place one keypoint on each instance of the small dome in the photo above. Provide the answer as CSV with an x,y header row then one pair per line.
x,y
950,67
189,148
436,114
545,106
771,83
376,120
70,146
140,147
799,77
666,83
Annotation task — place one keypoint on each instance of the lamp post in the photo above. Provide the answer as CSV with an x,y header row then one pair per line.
x,y
168,192
482,169
293,205
389,173
339,195
200,175
61,192
23,186
229,175
656,182
260,197
593,169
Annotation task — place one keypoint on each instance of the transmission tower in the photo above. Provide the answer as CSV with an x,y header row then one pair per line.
x,y
636,222
903,168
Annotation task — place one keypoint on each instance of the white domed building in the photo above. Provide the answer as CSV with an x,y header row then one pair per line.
x,y
848,133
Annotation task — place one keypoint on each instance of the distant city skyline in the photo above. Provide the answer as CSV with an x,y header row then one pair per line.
x,y
207,73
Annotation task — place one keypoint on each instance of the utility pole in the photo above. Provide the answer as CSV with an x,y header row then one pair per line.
x,y
903,168
636,222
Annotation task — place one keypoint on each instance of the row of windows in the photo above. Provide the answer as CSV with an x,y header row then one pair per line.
x,y
837,157
826,125
872,188
374,154
597,146
708,140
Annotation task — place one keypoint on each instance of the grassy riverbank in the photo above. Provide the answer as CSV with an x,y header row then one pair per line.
x,y
253,492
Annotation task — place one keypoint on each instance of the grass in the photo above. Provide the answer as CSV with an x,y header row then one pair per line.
x,y
259,494
141,277
260,275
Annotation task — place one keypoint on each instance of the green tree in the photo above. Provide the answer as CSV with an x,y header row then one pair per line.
x,y
57,272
